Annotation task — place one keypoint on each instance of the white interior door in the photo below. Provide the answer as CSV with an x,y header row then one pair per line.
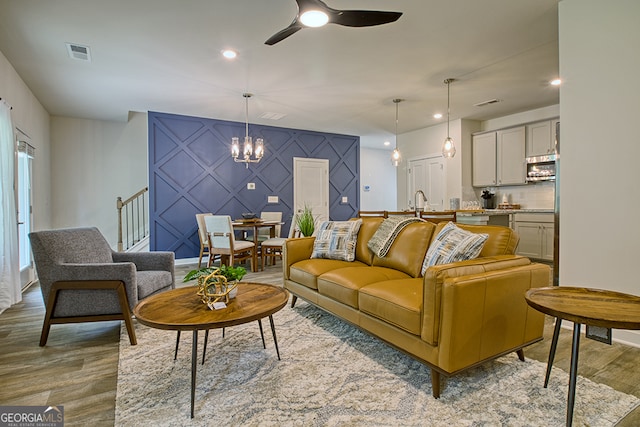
x,y
427,175
311,186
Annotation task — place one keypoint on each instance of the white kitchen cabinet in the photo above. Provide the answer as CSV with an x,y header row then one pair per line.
x,y
511,166
498,158
536,235
541,138
484,159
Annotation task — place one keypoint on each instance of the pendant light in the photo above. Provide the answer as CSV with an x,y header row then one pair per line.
x,y
396,157
249,148
448,148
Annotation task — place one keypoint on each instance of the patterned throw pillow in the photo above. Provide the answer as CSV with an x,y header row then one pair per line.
x,y
337,240
453,244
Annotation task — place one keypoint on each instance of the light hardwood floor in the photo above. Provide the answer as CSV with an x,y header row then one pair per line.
x,y
78,367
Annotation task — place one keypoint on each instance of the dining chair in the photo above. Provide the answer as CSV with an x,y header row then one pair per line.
x,y
222,242
202,234
265,233
272,248
438,216
83,280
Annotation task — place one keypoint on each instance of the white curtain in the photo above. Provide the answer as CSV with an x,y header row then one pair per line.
x,y
10,292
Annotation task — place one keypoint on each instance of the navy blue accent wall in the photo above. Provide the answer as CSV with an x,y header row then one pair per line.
x,y
191,171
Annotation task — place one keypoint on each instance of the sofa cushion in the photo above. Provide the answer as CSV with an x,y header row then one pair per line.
x,y
453,244
306,272
502,240
408,249
150,282
336,240
343,284
385,235
367,230
398,302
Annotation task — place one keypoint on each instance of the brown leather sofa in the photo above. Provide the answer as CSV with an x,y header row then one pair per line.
x,y
457,316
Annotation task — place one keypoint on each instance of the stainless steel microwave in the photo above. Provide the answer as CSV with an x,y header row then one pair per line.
x,y
541,168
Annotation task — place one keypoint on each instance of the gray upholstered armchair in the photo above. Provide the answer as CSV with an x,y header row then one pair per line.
x,y
83,280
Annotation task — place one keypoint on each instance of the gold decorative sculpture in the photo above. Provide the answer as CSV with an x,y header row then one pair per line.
x,y
215,287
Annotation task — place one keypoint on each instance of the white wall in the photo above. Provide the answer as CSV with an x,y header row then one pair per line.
x,y
427,142
32,119
377,172
93,163
600,146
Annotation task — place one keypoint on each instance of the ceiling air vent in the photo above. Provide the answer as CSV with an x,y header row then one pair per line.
x,y
483,103
272,116
77,51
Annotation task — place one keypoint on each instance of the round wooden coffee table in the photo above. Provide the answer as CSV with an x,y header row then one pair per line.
x,y
182,310
592,307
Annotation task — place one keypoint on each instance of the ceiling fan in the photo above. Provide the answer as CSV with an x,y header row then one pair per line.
x,y
315,13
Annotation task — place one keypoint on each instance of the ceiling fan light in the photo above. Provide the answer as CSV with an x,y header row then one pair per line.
x,y
314,18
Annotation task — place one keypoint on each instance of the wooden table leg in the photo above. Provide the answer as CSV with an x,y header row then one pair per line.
x,y
573,372
194,363
275,340
552,350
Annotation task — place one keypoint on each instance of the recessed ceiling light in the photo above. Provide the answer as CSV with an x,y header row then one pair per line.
x,y
556,82
314,18
387,143
229,53
437,116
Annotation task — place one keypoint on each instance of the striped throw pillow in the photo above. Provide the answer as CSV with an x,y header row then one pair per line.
x,y
337,240
453,244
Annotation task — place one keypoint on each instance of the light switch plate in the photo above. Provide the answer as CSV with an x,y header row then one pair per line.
x,y
251,185
345,199
272,199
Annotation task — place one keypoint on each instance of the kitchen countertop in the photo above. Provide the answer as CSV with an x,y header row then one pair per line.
x,y
501,212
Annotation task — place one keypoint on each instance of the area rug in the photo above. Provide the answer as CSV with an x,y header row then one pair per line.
x,y
333,374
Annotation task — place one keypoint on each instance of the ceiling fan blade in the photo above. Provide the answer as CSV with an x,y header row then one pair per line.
x,y
283,34
362,18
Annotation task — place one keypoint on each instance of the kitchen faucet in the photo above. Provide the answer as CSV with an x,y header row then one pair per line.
x,y
419,202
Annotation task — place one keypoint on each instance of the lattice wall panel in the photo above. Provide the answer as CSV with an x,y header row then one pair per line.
x,y
191,171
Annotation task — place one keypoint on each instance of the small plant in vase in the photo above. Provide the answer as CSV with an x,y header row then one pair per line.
x,y
216,283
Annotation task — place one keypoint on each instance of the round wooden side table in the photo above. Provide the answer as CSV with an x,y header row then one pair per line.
x,y
592,307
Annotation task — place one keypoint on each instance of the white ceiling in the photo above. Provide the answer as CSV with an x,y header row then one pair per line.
x,y
164,55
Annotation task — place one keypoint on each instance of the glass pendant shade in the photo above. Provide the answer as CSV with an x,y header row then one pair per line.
x,y
396,156
448,148
235,147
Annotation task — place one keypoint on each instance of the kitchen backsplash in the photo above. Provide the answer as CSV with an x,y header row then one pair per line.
x,y
540,195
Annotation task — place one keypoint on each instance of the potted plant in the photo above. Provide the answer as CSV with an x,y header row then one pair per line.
x,y
306,222
213,280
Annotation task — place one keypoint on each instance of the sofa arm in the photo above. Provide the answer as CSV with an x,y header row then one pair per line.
x,y
123,271
484,314
295,250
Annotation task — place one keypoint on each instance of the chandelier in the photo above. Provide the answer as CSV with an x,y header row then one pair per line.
x,y
248,147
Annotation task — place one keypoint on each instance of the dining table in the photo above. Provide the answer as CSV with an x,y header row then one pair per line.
x,y
255,225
